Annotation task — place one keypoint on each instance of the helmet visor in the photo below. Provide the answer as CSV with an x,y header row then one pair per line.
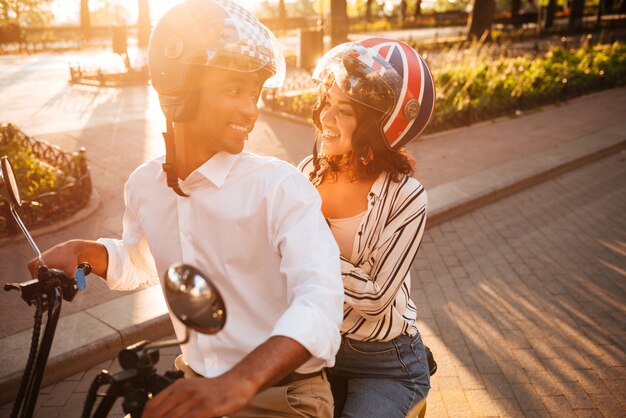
x,y
239,45
362,75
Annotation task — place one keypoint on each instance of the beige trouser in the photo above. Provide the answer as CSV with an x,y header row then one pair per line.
x,y
305,398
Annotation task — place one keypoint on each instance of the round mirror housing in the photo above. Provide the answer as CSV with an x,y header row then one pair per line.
x,y
194,299
8,183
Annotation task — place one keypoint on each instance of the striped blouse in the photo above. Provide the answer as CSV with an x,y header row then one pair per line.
x,y
376,279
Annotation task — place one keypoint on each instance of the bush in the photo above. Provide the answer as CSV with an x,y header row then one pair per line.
x,y
53,184
483,81
35,176
474,89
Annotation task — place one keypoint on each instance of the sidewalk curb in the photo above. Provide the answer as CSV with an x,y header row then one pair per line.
x,y
143,314
452,200
87,338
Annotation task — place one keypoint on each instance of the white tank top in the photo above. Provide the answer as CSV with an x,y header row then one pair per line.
x,y
344,230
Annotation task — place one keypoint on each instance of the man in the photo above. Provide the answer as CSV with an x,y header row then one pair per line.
x,y
252,224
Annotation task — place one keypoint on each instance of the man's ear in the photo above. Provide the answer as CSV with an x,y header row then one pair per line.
x,y
187,111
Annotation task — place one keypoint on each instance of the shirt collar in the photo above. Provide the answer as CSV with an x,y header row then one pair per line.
x,y
215,169
379,185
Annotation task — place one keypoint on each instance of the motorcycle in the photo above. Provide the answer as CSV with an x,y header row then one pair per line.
x,y
191,296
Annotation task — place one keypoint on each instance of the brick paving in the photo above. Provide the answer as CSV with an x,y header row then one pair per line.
x,y
65,399
523,303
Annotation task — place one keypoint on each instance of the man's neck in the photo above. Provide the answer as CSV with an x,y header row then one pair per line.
x,y
189,156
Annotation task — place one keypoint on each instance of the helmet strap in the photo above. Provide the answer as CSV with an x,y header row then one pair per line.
x,y
170,158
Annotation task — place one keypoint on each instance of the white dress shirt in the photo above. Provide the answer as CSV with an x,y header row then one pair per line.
x,y
253,225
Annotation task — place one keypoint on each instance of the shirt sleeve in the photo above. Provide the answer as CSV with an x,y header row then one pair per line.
x,y
371,294
131,265
310,263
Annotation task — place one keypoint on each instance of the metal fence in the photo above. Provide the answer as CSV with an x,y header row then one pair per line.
x,y
49,207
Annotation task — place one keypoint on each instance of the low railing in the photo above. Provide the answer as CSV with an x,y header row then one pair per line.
x,y
102,78
47,208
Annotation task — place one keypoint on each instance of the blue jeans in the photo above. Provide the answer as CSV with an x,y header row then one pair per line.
x,y
379,379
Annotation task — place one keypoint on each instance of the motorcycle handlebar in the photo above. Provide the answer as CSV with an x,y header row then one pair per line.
x,y
47,279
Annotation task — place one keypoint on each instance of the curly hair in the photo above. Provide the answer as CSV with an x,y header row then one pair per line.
x,y
367,141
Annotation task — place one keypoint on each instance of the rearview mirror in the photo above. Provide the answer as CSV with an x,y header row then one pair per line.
x,y
194,299
9,190
8,184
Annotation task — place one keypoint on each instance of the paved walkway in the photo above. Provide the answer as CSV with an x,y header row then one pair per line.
x,y
461,169
524,301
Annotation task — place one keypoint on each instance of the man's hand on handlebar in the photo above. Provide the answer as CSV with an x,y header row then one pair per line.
x,y
200,397
66,256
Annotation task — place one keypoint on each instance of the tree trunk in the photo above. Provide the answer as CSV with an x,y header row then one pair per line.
x,y
338,22
480,19
576,16
143,24
550,12
282,12
418,8
368,11
85,22
515,5
403,7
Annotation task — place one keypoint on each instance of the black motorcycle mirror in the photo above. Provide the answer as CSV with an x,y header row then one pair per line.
x,y
10,191
197,303
194,299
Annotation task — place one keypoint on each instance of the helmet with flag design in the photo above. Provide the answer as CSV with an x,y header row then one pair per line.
x,y
388,76
208,33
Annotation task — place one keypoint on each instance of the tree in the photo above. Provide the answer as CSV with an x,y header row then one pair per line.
x,y
26,13
368,11
576,15
550,12
480,19
143,23
403,7
418,9
338,22
85,22
282,12
515,6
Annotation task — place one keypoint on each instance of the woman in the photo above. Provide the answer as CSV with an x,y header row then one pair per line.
x,y
373,98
